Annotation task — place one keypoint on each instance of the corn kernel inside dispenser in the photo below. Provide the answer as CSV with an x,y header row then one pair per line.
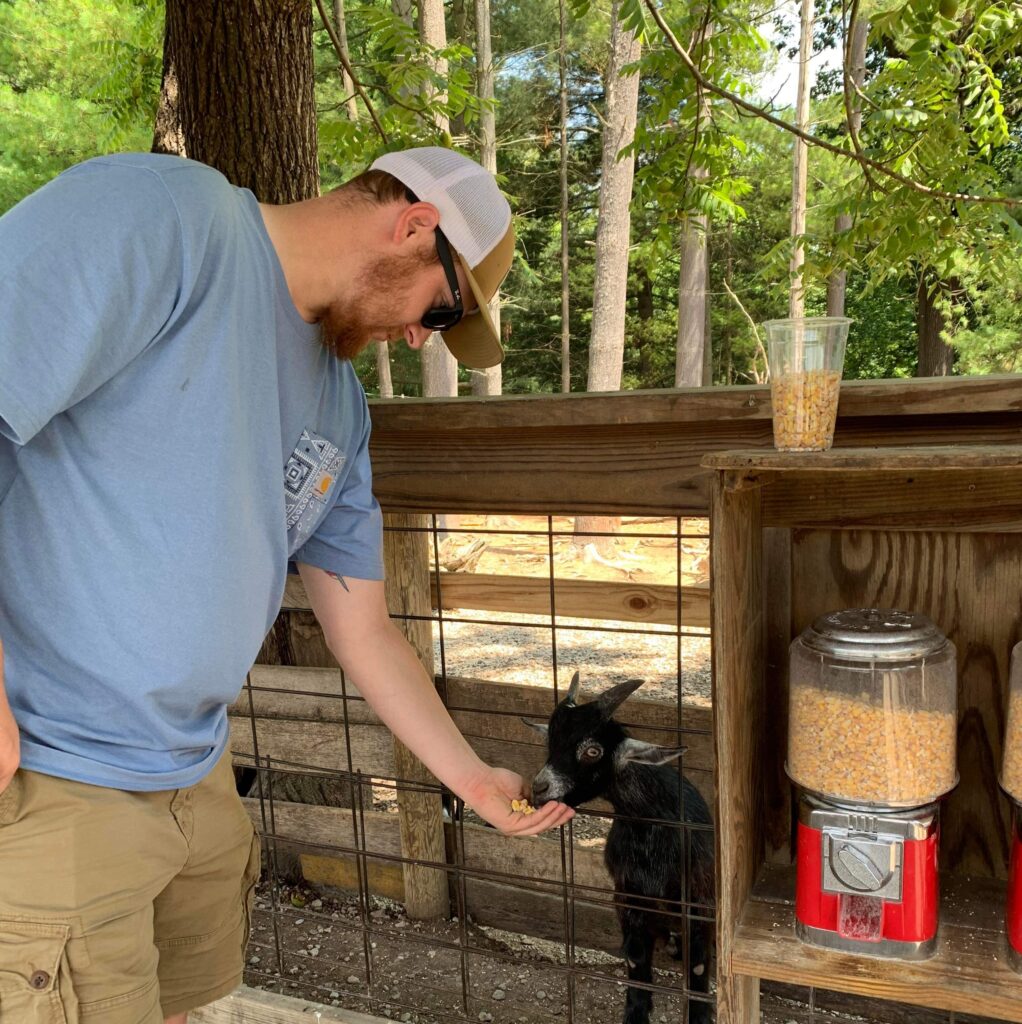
x,y
873,713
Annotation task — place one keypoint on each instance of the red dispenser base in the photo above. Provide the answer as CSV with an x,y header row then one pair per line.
x,y
1013,913
867,881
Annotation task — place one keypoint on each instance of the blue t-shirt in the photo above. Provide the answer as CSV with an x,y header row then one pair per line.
x,y
171,434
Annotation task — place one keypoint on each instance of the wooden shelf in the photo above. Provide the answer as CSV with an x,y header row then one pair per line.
x,y
871,459
969,973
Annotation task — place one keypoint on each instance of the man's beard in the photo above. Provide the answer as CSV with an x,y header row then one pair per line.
x,y
347,330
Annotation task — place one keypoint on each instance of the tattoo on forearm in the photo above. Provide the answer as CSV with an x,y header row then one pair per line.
x,y
340,579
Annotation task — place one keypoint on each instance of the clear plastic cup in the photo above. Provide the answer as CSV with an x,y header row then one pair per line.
x,y
806,357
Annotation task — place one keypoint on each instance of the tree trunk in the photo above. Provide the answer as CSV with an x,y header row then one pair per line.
x,y
386,386
237,93
613,235
562,73
383,370
692,304
462,29
606,346
936,357
486,382
350,106
800,170
693,342
439,367
856,71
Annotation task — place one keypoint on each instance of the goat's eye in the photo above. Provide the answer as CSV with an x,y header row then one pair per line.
x,y
592,753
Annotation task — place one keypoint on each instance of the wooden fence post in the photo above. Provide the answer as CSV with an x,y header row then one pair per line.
x,y
406,559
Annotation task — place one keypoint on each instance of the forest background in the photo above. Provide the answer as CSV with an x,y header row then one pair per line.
x,y
661,212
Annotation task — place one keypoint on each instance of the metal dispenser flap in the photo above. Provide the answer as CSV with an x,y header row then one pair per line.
x,y
862,865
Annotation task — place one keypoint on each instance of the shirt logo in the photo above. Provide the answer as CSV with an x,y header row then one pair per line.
x,y
309,475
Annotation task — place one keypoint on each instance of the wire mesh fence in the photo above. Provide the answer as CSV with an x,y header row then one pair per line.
x,y
531,929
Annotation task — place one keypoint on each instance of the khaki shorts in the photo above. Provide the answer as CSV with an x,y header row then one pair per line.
x,y
118,907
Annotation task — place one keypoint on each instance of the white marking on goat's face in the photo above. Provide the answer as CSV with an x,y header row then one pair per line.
x,y
588,752
558,785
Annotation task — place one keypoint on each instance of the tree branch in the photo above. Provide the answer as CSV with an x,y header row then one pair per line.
x,y
328,25
755,333
812,140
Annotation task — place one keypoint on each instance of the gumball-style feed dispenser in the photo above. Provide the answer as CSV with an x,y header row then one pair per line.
x,y
871,748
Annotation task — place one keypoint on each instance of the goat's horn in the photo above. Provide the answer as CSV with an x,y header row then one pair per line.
x,y
611,699
572,699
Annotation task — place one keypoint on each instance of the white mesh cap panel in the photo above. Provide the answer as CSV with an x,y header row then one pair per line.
x,y
474,214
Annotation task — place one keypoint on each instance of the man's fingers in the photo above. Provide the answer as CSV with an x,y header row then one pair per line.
x,y
547,817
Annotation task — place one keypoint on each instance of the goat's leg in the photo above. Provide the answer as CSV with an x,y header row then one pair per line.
x,y
700,947
637,948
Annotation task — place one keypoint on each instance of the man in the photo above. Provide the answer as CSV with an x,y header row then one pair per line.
x,y
178,420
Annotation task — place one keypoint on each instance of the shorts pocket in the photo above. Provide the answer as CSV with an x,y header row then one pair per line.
x,y
10,800
249,881
35,979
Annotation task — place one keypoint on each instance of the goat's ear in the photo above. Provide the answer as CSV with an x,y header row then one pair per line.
x,y
541,727
646,753
572,699
609,701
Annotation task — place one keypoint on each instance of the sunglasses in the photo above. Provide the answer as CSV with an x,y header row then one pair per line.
x,y
442,318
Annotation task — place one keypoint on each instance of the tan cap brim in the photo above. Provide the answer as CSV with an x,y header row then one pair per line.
x,y
474,342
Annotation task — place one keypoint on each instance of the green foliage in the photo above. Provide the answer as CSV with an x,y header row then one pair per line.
x,y
77,78
942,107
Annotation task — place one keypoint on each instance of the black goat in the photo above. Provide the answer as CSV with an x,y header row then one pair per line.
x,y
590,755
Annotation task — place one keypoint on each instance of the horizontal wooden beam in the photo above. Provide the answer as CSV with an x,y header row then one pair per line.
x,y
299,715
605,600
640,452
253,1006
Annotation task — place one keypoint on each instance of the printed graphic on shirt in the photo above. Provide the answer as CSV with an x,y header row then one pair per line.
x,y
309,477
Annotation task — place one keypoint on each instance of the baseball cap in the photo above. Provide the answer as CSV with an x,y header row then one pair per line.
x,y
476,218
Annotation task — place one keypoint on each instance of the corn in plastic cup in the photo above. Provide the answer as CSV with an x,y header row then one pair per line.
x,y
806,358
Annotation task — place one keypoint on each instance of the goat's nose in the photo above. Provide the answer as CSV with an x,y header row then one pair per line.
x,y
540,788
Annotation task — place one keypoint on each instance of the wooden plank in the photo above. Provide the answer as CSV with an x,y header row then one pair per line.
x,y
253,1006
533,904
871,460
639,453
588,599
995,393
420,812
987,500
969,973
969,585
777,817
486,851
488,713
736,551
321,746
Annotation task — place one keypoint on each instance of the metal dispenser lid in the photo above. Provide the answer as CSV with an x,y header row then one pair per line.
x,y
874,634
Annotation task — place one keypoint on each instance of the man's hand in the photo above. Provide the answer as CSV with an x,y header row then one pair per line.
x,y
10,744
490,796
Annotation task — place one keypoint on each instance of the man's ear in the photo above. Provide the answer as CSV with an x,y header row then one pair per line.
x,y
417,219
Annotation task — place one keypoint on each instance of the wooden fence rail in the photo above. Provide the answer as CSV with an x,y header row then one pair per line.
x,y
606,600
